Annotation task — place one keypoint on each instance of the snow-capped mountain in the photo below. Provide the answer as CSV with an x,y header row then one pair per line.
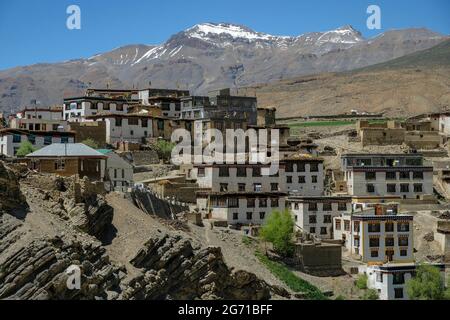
x,y
209,56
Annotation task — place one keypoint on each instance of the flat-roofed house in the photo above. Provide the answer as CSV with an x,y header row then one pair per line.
x,y
119,172
68,159
378,175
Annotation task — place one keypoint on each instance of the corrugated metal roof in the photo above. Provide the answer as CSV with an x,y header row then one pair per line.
x,y
66,150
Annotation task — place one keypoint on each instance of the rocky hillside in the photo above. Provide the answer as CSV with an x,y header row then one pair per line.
x,y
412,84
53,223
210,56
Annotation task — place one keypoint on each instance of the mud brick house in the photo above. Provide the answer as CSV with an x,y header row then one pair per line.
x,y
68,159
39,119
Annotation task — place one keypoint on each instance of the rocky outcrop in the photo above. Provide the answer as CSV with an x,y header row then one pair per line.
x,y
39,271
78,201
172,268
10,195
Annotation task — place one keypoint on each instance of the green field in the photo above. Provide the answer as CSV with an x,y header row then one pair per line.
x,y
321,123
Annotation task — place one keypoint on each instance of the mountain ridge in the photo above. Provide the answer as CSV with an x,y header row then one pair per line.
x,y
209,56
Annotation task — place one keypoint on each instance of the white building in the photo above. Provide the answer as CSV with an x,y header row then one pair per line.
x,y
304,175
375,233
314,215
10,139
403,175
39,119
390,279
238,193
76,109
125,127
119,172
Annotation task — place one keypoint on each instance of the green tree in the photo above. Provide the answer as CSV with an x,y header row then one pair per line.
x,y
370,294
278,230
361,282
164,149
426,284
25,148
90,143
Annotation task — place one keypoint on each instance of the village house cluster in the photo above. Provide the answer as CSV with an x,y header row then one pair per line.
x,y
355,208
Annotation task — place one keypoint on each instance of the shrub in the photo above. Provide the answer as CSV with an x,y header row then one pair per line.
x,y
426,285
278,230
25,148
90,143
371,294
361,282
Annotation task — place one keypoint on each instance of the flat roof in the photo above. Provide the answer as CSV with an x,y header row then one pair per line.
x,y
36,133
66,150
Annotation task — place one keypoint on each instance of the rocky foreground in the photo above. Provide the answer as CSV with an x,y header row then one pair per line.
x,y
48,224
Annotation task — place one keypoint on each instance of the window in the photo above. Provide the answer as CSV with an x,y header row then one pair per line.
x,y
223,172
370,188
274,186
403,226
417,175
356,226
389,227
399,278
118,122
313,179
132,132
32,139
301,179
312,219
257,187
274,202
404,187
342,206
241,172
94,106
312,230
289,167
403,253
301,167
374,242
374,254
403,241
418,187
389,242
119,107
47,140
404,175
256,172
312,206
223,187
133,121
391,175
323,231
262,203
398,293
289,179
249,215
356,241
233,203
346,225
314,167
123,173
338,224
115,173
296,206
201,172
17,138
374,227
251,202
241,187
235,216
327,218
379,277
326,206
262,215
65,139
391,188
60,165
144,123
371,176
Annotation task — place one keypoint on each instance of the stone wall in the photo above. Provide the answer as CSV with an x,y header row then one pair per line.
x,y
319,259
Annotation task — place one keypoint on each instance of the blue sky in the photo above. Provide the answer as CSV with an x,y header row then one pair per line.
x,y
35,31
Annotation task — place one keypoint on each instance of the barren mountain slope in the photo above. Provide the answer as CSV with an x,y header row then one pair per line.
x,y
416,83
